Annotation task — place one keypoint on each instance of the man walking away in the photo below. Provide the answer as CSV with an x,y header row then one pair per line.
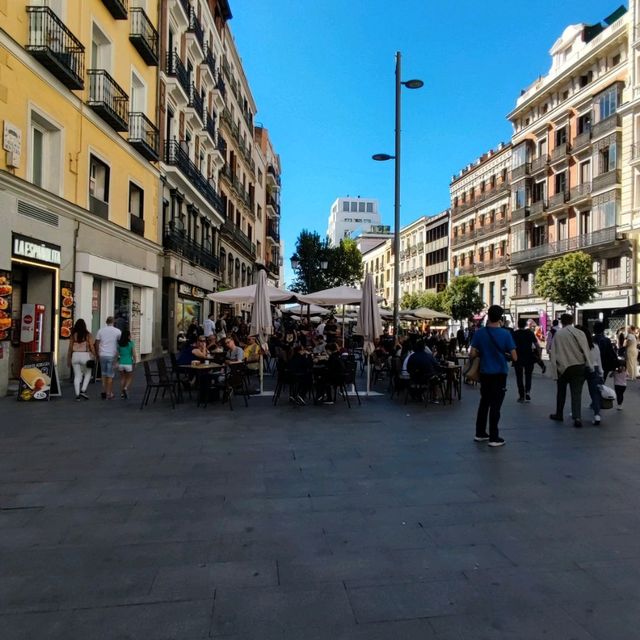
x,y
570,357
526,345
608,354
107,350
209,326
492,343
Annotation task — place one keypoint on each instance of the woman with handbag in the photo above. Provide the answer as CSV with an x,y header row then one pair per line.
x,y
81,356
126,360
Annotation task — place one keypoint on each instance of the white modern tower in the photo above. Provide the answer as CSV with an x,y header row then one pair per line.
x,y
348,215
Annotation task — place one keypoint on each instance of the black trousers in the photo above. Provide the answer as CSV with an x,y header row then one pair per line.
x,y
493,386
574,377
620,389
523,370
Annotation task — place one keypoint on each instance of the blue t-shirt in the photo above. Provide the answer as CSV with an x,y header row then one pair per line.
x,y
492,356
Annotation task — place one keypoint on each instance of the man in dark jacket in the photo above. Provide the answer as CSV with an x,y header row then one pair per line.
x,y
420,362
608,354
526,348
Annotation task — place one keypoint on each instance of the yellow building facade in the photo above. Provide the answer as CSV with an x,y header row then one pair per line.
x,y
78,170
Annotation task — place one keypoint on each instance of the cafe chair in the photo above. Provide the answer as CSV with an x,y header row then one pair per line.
x,y
181,379
351,368
159,380
396,382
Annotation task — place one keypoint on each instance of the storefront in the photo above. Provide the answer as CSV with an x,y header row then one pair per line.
x,y
602,310
184,304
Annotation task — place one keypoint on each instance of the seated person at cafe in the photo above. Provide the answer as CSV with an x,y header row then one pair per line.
x,y
252,354
319,347
332,376
300,368
421,363
234,354
195,350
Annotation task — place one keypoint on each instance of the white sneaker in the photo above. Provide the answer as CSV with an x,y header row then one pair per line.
x,y
596,419
619,408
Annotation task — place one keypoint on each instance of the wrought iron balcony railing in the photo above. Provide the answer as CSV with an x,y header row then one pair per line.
x,y
177,242
273,204
55,47
558,199
605,126
108,99
176,156
560,152
137,224
196,102
117,8
239,237
209,59
177,70
580,191
210,125
605,180
581,141
539,163
195,27
143,36
520,171
143,136
273,232
584,241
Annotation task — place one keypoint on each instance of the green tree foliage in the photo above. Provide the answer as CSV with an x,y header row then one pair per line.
x,y
344,263
567,280
430,300
461,298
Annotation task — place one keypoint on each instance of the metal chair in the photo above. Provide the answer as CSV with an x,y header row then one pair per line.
x,y
157,381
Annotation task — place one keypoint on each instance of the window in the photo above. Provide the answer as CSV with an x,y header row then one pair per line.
x,y
613,272
369,207
345,206
98,187
259,176
492,292
605,215
481,291
539,191
608,158
606,103
354,207
259,212
561,136
585,222
538,236
519,156
585,172
45,162
100,49
561,182
542,148
563,233
361,207
615,61
136,201
520,197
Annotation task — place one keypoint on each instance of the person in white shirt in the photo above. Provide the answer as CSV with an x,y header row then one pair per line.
x,y
209,326
107,350
320,328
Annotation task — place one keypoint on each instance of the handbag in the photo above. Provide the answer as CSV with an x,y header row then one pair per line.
x,y
90,364
472,372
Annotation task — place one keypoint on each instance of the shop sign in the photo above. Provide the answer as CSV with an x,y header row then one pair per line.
x,y
6,291
66,309
36,377
33,249
194,292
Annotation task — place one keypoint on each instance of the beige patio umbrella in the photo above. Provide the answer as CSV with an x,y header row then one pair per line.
x,y
261,320
369,322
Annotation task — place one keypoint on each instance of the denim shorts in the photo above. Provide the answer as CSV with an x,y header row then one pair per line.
x,y
106,366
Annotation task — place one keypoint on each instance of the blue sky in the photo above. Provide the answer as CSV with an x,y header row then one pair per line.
x,y
322,75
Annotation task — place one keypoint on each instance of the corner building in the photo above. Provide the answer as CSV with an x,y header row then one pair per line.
x,y
566,171
78,182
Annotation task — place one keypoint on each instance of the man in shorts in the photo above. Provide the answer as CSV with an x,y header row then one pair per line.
x,y
107,350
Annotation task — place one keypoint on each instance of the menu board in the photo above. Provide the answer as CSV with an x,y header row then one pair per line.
x,y
5,305
36,377
67,304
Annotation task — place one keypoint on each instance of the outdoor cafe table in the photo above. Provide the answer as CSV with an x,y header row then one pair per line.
x,y
453,373
200,371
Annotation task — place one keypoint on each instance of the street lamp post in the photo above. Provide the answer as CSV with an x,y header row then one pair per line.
x,y
410,84
296,262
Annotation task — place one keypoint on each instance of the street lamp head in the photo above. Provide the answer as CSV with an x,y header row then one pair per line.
x,y
295,261
382,157
413,84
324,264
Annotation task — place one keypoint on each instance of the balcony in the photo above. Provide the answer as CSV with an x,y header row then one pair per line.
x,y
209,64
108,99
240,238
195,253
607,180
537,207
55,47
143,136
179,77
580,192
273,179
558,200
136,224
605,126
117,8
176,156
581,141
560,153
540,163
273,205
519,214
99,207
194,36
272,232
195,105
273,268
521,171
179,9
143,36
210,126
492,264
491,227
576,243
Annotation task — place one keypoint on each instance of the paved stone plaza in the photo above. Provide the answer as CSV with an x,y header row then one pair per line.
x,y
383,521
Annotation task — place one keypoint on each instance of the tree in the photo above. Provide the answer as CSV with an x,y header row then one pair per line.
x,y
430,300
567,280
344,263
461,298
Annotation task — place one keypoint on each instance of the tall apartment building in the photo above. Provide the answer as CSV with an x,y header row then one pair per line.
x,y
566,172
412,257
378,260
480,218
350,215
238,177
79,190
268,207
192,94
436,251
